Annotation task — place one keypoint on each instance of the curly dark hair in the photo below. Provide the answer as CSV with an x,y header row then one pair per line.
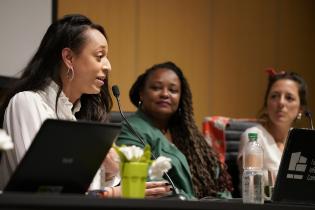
x,y
203,160
45,66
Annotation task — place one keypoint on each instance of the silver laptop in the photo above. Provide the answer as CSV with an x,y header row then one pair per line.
x,y
63,157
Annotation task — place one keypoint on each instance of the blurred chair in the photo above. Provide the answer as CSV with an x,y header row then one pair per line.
x,y
5,84
223,135
233,131
213,130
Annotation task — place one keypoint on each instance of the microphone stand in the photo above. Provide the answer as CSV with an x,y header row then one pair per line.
x,y
175,191
310,120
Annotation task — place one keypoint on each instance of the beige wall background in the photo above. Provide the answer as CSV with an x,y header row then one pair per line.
x,y
223,46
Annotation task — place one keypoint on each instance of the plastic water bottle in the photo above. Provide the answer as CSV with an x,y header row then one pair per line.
x,y
253,176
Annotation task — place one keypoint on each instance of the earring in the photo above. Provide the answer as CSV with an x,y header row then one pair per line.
x,y
70,73
139,104
299,116
179,111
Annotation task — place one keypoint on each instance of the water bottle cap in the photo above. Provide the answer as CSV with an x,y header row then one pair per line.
x,y
252,136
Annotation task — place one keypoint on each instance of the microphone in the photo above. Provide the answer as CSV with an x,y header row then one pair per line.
x,y
116,93
308,115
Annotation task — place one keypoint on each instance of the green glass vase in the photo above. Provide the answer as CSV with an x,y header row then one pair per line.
x,y
134,176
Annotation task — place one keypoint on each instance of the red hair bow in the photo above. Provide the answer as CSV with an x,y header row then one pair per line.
x,y
272,72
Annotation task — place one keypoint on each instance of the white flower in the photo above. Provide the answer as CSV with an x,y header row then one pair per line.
x,y
5,141
132,153
159,167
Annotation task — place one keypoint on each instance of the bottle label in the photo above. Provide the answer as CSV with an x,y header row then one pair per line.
x,y
253,161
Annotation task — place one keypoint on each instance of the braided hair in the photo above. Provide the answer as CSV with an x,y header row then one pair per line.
x,y
209,176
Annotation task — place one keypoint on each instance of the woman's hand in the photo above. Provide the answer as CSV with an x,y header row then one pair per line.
x,y
153,190
157,189
111,164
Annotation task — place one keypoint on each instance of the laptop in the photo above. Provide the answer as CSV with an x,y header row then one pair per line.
x,y
295,182
63,157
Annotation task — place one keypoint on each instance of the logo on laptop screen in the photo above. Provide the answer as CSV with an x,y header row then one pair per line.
x,y
297,165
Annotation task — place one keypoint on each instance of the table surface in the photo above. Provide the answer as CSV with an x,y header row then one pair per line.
x,y
40,201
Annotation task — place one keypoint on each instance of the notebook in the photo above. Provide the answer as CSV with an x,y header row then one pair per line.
x,y
63,157
295,181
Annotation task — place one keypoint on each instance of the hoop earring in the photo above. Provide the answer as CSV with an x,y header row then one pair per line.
x,y
70,73
299,116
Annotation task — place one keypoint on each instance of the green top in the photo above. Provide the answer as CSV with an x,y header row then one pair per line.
x,y
179,173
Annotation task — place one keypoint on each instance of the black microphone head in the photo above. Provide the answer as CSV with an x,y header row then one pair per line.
x,y
115,91
308,113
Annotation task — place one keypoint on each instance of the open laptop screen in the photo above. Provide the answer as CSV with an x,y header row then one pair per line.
x,y
295,181
63,157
